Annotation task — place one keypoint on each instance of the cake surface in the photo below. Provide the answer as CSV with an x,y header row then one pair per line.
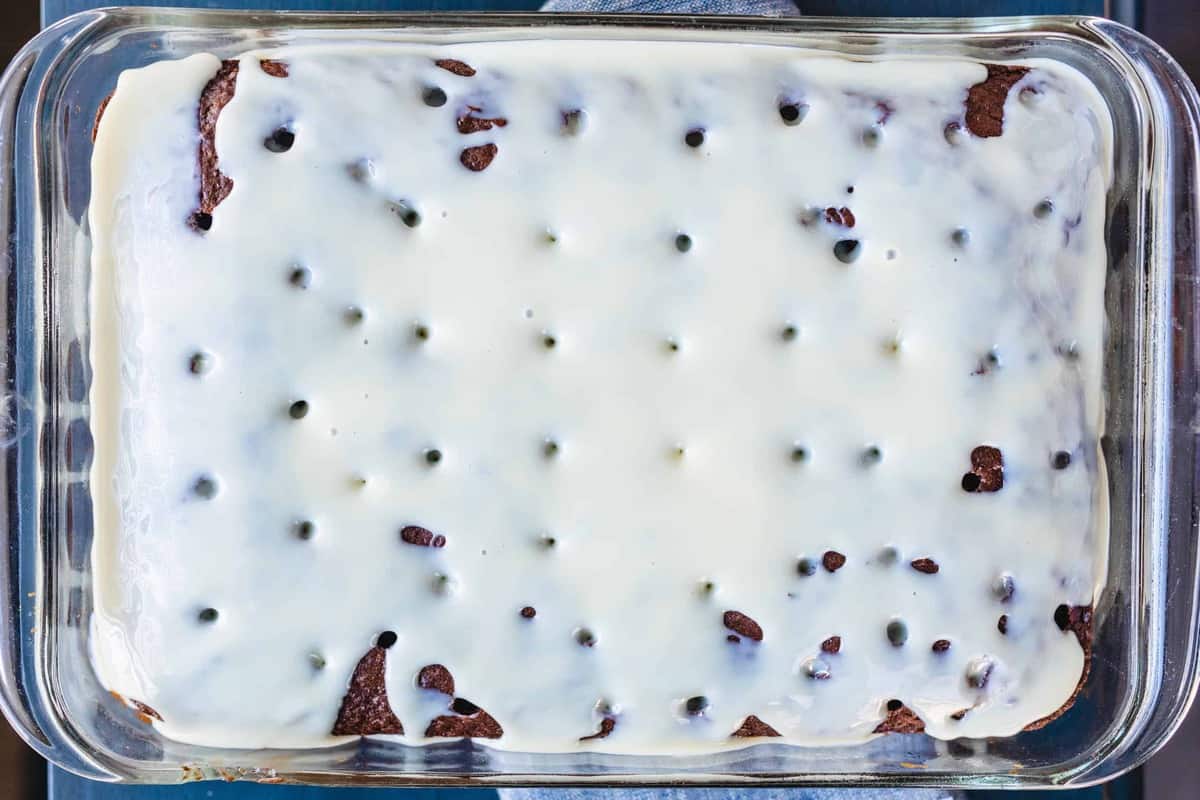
x,y
654,398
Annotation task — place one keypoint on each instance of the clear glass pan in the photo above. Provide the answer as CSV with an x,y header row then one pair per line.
x,y
1145,652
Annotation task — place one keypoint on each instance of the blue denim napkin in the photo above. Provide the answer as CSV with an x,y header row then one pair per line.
x,y
762,8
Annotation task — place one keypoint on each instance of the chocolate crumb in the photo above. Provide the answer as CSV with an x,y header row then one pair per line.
x,y
365,709
900,719
941,645
752,727
459,68
528,612
1062,617
840,216
925,565
1002,624
985,100
437,678
733,638
979,671
280,140
100,109
695,706
832,645
422,537
987,470
1077,619
478,725
469,124
740,623
606,727
958,715
897,632
1061,460
276,69
214,185
832,560
478,158
145,712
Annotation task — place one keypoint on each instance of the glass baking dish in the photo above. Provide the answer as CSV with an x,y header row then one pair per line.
x,y
1144,671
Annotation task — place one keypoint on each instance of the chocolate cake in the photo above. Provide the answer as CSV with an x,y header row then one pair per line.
x,y
650,348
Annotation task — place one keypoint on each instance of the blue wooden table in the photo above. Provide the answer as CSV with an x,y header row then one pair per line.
x,y
64,786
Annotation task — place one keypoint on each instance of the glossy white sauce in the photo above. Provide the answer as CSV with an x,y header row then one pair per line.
x,y
884,356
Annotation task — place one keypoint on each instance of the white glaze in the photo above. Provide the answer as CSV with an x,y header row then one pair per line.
x,y
638,526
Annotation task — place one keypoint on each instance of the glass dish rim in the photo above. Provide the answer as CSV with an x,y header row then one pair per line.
x,y
26,654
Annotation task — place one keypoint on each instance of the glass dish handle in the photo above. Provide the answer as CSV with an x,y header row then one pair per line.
x,y
1167,443
23,698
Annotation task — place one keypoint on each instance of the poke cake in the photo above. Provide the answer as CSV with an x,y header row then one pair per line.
x,y
588,394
